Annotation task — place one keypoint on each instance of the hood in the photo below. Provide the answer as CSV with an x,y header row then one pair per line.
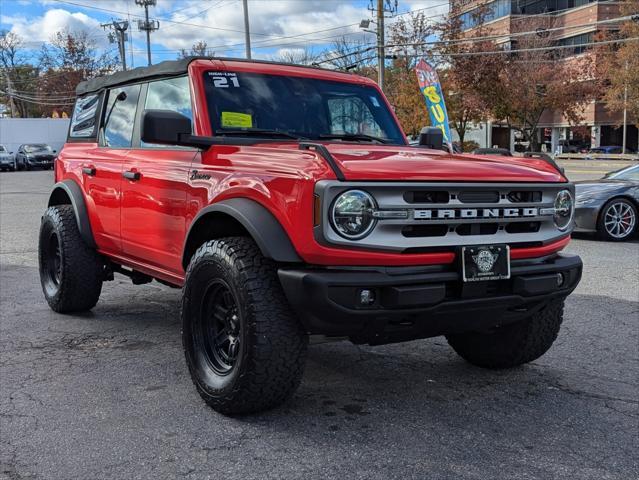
x,y
393,163
600,187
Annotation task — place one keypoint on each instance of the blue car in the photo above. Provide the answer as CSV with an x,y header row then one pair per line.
x,y
609,149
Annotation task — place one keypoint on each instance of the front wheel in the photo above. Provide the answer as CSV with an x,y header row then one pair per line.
x,y
618,220
244,347
71,273
514,344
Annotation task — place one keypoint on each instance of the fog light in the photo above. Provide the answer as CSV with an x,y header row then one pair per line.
x,y
560,279
366,297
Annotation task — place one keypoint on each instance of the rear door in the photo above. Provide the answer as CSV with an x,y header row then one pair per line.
x,y
154,188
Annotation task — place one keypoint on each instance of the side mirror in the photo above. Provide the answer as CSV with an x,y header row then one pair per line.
x,y
55,151
431,137
10,153
165,127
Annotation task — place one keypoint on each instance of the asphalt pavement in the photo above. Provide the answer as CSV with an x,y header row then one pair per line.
x,y
106,395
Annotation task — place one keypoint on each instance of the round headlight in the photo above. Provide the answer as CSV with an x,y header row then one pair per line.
x,y
352,214
564,209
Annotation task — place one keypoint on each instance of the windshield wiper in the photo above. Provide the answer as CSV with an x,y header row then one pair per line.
x,y
259,132
353,136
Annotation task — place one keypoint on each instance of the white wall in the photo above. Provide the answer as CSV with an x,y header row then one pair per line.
x,y
16,131
476,133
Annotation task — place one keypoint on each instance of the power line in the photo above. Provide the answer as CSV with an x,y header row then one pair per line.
x,y
479,39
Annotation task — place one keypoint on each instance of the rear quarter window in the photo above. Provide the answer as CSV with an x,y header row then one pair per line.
x,y
84,121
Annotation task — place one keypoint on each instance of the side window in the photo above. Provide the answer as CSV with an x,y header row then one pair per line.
x,y
170,94
352,115
119,116
83,120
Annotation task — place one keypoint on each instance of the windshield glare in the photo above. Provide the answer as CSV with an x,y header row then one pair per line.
x,y
303,107
628,173
37,148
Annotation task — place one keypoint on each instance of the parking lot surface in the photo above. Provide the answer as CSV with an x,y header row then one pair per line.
x,y
106,395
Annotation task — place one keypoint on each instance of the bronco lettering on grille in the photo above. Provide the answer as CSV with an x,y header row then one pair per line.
x,y
450,213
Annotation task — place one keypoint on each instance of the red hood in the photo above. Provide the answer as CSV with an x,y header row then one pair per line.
x,y
385,162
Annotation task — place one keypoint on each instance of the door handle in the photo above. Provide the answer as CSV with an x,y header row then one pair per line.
x,y
130,175
90,171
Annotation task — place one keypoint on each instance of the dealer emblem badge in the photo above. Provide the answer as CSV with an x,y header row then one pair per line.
x,y
485,260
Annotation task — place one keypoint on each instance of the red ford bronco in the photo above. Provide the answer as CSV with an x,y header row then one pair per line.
x,y
286,202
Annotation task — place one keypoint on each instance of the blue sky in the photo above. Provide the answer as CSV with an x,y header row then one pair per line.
x,y
276,25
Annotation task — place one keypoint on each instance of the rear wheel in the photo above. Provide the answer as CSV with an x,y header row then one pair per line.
x,y
514,344
617,220
71,273
244,348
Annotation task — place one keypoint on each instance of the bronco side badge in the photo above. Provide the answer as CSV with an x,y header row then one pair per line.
x,y
195,175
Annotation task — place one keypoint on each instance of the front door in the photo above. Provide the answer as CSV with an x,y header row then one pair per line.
x,y
154,186
102,166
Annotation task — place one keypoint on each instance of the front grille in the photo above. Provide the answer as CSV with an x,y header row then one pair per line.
x,y
474,196
440,217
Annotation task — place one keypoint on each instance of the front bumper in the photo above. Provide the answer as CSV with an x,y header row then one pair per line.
x,y
420,302
40,163
586,218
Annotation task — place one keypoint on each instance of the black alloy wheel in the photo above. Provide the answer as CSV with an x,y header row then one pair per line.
x,y
219,333
52,264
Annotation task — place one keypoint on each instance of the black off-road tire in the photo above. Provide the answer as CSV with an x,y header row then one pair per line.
x,y
512,345
71,273
267,366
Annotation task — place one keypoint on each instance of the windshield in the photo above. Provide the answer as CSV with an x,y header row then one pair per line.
x,y
37,148
2,149
306,108
628,173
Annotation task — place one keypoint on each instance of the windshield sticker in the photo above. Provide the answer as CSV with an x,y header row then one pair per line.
x,y
374,101
237,119
224,79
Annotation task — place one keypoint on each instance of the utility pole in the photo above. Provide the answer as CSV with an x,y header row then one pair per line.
x,y
247,32
119,36
147,25
381,60
383,6
625,112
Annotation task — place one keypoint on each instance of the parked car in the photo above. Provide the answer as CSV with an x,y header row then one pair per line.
x,y
609,205
610,149
35,155
7,159
574,146
286,202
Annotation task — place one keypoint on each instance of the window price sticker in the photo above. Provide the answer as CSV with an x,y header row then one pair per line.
x,y
224,79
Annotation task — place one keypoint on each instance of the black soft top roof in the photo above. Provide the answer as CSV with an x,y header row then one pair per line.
x,y
163,69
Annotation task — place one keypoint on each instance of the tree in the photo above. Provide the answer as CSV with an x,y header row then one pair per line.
x,y
199,49
70,58
533,80
467,75
406,38
620,67
517,82
304,56
352,55
18,79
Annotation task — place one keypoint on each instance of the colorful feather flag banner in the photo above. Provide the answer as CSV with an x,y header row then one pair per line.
x,y
432,90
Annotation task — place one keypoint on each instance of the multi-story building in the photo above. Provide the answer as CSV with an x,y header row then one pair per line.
x,y
576,21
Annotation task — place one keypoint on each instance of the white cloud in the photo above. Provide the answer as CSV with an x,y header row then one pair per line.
x,y
307,24
269,21
41,29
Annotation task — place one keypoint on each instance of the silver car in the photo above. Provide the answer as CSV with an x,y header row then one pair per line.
x,y
7,160
609,205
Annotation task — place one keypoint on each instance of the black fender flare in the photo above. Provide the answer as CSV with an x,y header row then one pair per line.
x,y
259,222
73,191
